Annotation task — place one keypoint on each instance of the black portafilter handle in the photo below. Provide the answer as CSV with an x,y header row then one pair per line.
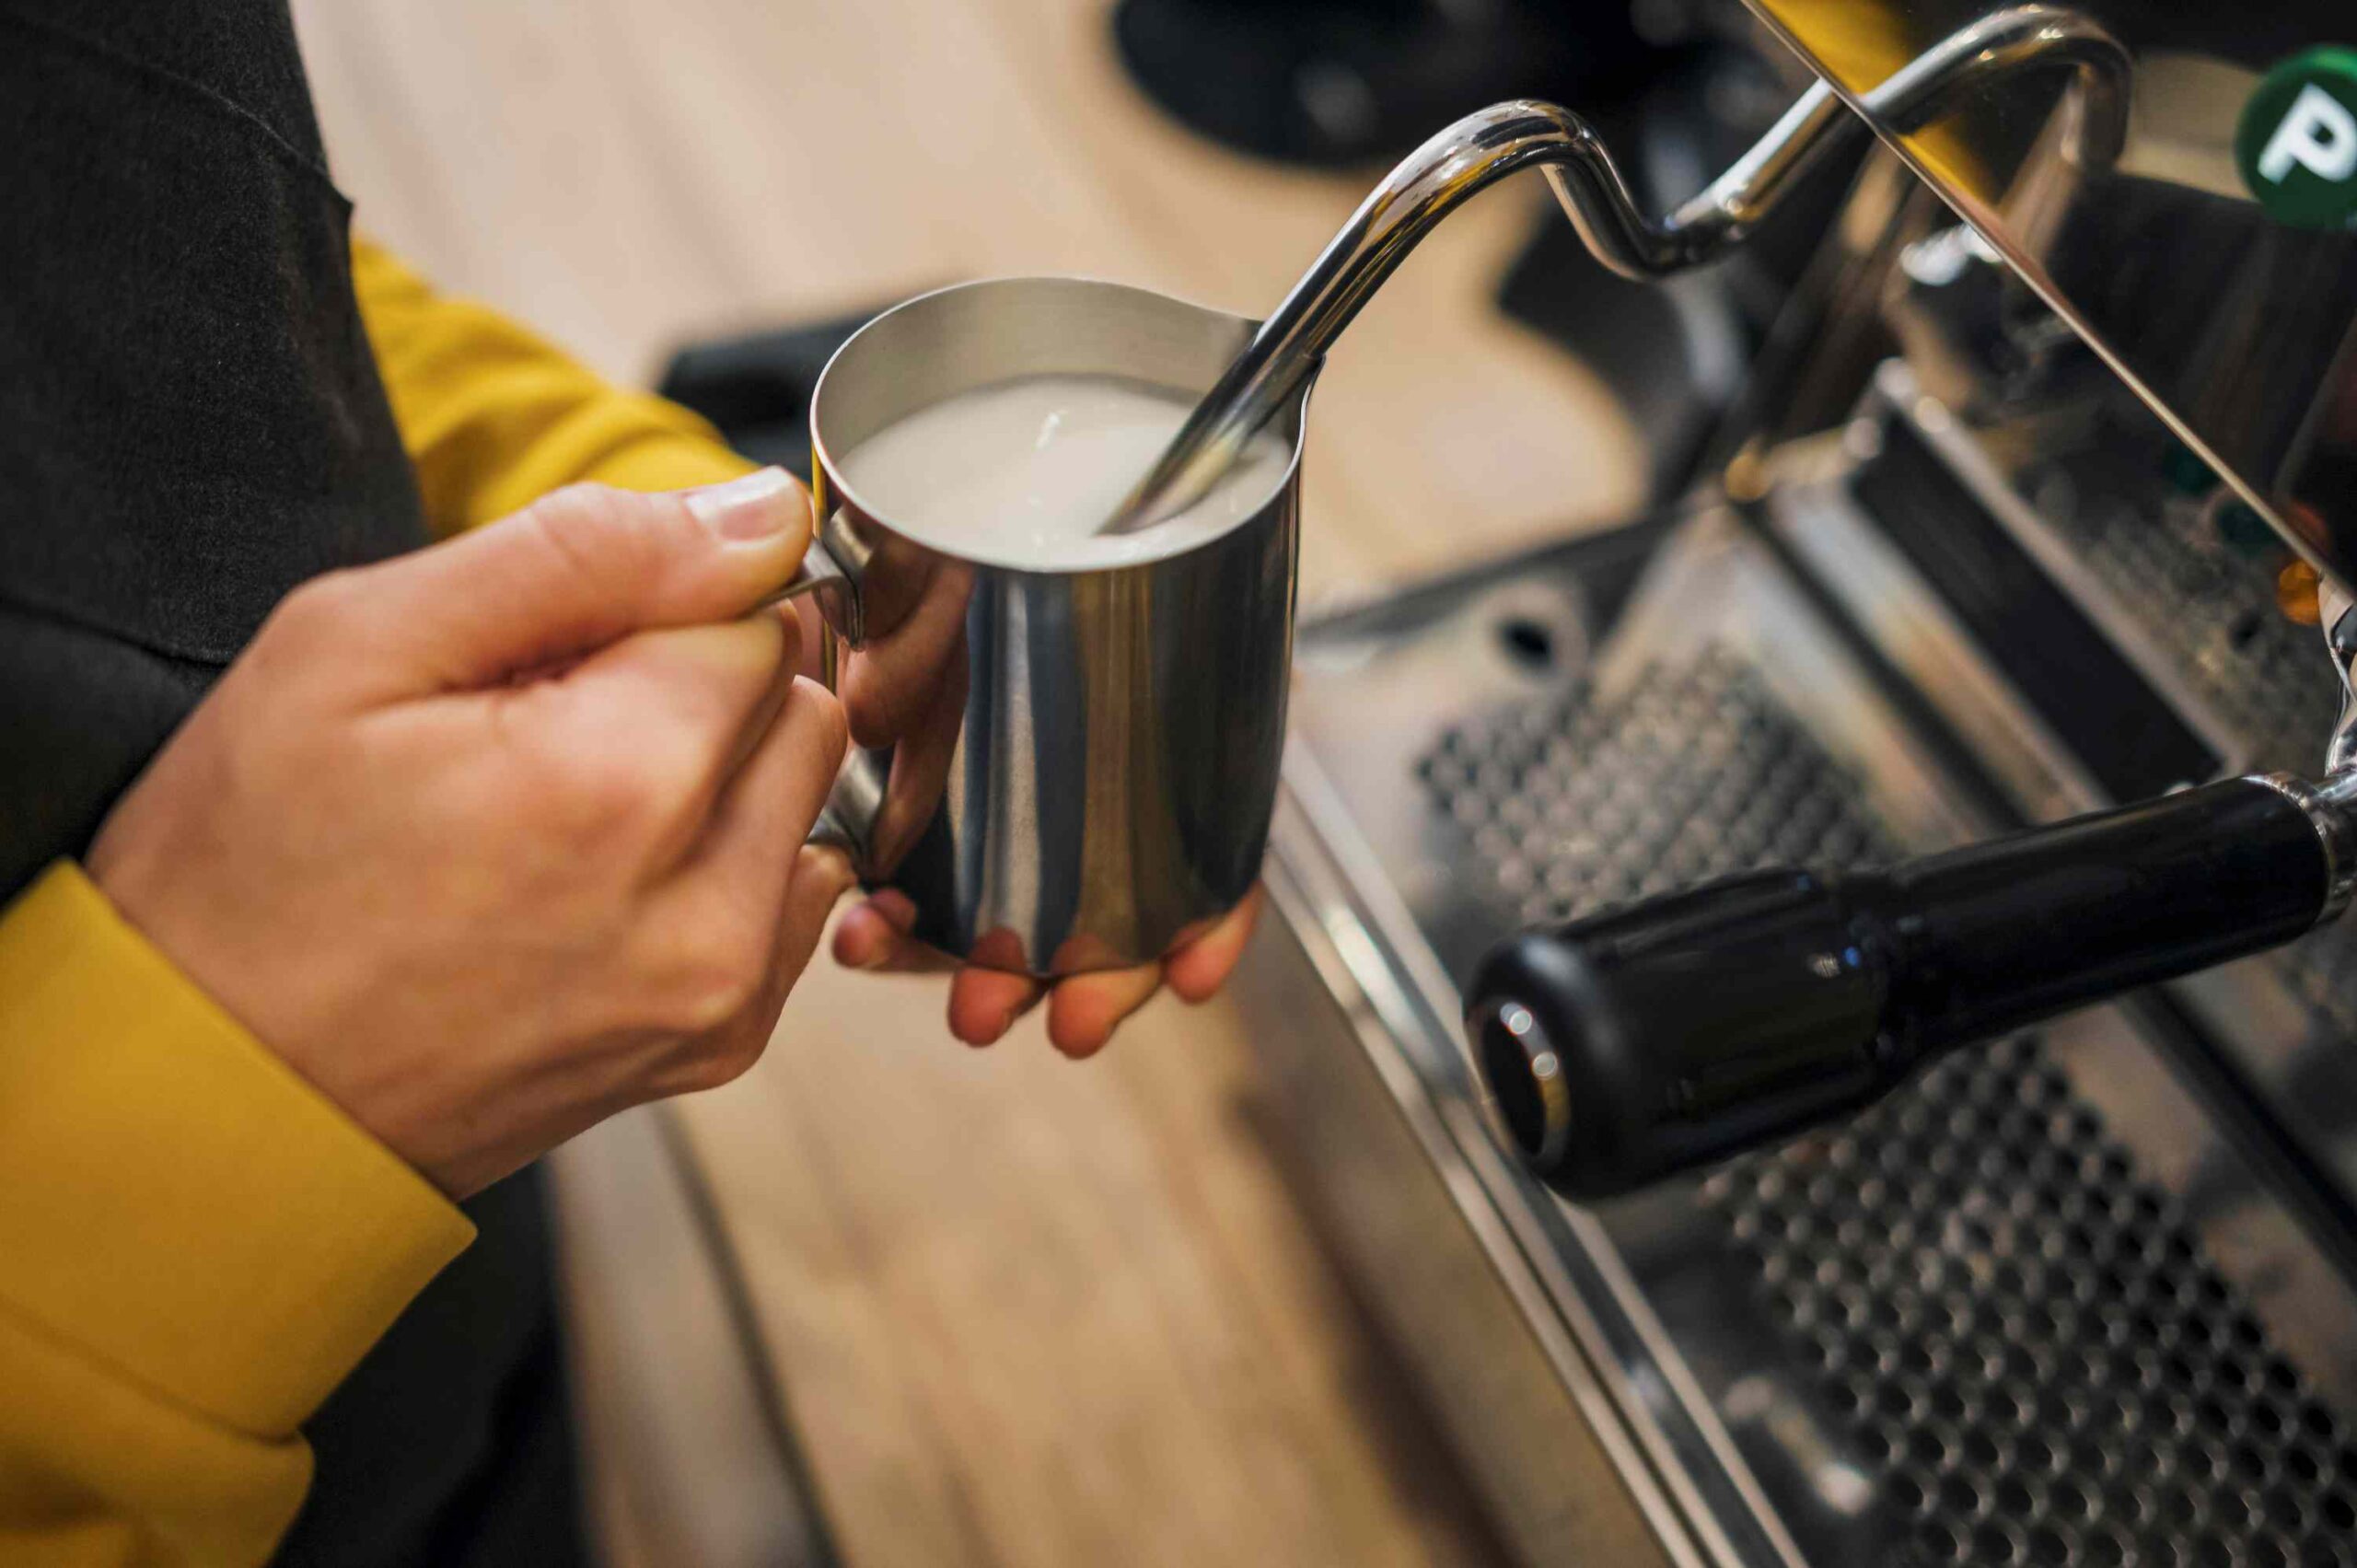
x,y
1633,1044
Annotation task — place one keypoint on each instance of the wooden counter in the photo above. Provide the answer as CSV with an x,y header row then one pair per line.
x,y
1022,1310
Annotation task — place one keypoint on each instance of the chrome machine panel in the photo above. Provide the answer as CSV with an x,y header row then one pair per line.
x,y
1928,1335
2235,327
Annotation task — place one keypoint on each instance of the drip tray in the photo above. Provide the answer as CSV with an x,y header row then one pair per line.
x,y
2034,1307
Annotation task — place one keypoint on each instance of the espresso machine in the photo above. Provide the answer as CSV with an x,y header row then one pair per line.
x,y
1816,1017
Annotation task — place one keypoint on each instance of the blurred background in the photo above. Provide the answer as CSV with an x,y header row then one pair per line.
x,y
886,1300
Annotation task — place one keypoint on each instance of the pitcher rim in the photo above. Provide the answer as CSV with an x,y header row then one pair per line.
x,y
822,459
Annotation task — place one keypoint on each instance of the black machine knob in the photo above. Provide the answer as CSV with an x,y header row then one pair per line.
x,y
1631,1045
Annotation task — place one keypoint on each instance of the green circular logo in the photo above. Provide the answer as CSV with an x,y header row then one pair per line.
x,y
2296,144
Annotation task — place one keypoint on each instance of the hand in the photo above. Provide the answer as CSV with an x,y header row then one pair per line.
x,y
493,841
1082,1011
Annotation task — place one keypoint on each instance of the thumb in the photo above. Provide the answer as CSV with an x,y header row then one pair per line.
x,y
577,570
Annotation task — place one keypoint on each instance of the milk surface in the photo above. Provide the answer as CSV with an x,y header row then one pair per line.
x,y
1025,471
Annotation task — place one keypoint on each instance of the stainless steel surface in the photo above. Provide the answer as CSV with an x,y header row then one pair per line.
x,y
1689,771
2198,621
1402,1184
2236,329
1794,1362
1489,144
1080,765
829,576
2031,1352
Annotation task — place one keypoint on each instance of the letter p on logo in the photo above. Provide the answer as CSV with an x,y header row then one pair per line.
x,y
2318,132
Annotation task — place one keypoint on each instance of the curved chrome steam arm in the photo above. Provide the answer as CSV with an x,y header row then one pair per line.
x,y
1489,144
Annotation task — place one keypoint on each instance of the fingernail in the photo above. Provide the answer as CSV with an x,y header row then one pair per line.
x,y
751,510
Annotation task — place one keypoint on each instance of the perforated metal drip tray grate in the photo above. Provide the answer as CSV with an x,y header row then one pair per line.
x,y
2024,1341
2207,608
2033,1309
1694,770
2020,1339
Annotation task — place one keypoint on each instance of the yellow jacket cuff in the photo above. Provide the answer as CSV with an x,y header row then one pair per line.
x,y
174,1199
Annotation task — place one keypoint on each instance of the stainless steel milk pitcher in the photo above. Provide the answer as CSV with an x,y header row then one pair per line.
x,y
1087,776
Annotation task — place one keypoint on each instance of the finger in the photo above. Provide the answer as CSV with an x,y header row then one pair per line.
x,y
662,721
1084,1011
822,876
716,928
812,628
776,797
577,570
893,681
920,770
1201,967
984,1003
745,859
874,936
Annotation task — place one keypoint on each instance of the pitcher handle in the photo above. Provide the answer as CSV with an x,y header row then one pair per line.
x,y
830,574
831,571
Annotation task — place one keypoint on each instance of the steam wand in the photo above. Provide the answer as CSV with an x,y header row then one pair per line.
x,y
1491,143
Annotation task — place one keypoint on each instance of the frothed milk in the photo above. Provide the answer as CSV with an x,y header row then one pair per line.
x,y
1025,471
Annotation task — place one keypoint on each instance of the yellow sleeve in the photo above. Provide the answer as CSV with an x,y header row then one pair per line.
x,y
195,1247
495,416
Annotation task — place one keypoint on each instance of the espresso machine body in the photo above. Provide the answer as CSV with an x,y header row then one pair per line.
x,y
2042,487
